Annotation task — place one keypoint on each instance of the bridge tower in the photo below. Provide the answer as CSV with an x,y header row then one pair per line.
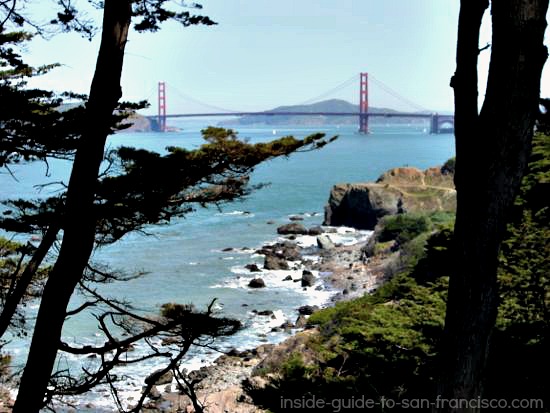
x,y
364,103
434,124
162,107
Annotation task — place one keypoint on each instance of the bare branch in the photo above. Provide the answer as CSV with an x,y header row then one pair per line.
x,y
82,307
10,11
487,46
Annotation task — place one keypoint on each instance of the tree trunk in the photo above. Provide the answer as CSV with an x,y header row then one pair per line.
x,y
79,233
491,155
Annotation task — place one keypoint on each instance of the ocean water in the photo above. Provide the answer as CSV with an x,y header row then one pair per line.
x,y
183,262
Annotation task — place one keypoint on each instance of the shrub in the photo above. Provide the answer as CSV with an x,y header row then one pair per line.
x,y
448,167
403,227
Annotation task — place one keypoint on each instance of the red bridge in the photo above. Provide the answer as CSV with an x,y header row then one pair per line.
x,y
438,123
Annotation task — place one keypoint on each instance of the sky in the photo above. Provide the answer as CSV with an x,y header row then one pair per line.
x,y
266,53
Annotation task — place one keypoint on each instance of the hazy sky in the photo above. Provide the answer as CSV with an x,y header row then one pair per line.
x,y
266,53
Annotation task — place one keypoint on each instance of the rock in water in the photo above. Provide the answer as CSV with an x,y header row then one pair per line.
x,y
307,279
307,309
292,228
315,231
256,283
265,313
275,263
252,268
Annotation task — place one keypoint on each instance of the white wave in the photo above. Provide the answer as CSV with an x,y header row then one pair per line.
x,y
242,213
312,258
272,278
319,294
235,250
338,235
306,241
350,238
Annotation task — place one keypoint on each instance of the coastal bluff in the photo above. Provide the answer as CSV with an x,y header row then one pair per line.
x,y
399,190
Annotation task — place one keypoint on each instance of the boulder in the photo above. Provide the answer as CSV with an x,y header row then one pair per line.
x,y
301,321
252,268
399,190
288,278
307,309
256,283
290,253
307,279
292,228
154,393
285,250
233,353
265,313
273,262
158,378
286,326
318,230
296,218
324,242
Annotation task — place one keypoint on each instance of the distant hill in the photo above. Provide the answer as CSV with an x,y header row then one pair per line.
x,y
332,105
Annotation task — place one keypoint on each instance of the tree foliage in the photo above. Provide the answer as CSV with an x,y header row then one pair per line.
x,y
138,188
32,125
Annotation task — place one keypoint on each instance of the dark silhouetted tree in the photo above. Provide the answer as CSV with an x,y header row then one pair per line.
x,y
100,207
492,149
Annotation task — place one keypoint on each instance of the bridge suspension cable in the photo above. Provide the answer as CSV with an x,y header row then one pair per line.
x,y
396,95
216,109
344,84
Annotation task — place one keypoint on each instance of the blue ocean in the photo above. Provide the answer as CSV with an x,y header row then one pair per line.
x,y
185,261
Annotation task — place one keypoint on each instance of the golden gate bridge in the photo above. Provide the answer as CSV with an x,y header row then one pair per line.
x,y
438,123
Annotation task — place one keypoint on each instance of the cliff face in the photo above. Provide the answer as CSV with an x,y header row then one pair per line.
x,y
399,190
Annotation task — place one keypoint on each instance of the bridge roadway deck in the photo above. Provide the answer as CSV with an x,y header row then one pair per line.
x,y
370,115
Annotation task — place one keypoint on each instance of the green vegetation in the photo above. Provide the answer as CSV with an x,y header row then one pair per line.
x,y
385,345
13,259
403,227
449,166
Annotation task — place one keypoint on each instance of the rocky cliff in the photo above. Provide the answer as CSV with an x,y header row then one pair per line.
x,y
399,190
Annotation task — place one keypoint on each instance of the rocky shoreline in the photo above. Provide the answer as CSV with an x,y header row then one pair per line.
x,y
327,258
346,269
341,268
